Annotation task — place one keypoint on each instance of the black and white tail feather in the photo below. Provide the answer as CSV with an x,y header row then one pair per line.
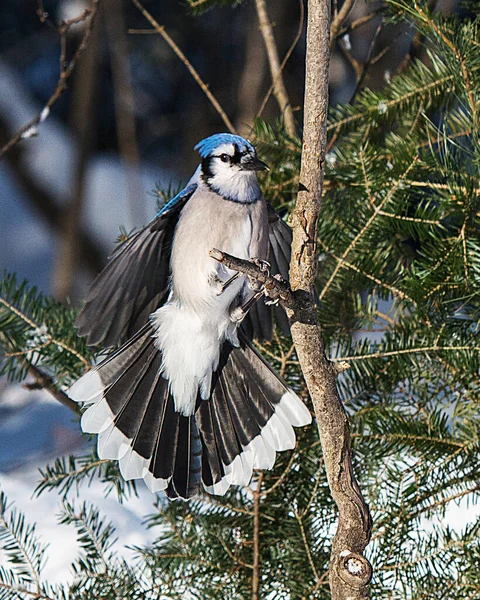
x,y
248,417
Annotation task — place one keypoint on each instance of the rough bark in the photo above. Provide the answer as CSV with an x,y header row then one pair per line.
x,y
350,572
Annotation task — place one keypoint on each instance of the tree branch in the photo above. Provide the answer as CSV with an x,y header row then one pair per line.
x,y
286,57
350,572
277,289
338,20
66,69
45,382
161,30
279,90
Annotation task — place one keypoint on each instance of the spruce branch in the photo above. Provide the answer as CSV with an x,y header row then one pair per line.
x,y
424,350
45,382
50,339
376,211
22,548
342,263
306,545
436,85
453,48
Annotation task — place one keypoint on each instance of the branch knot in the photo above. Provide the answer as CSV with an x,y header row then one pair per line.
x,y
354,569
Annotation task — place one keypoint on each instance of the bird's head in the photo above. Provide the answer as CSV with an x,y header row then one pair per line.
x,y
228,167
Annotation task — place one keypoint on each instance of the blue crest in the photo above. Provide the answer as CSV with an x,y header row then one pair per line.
x,y
210,144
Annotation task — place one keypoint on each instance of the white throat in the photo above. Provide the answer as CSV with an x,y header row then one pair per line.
x,y
235,185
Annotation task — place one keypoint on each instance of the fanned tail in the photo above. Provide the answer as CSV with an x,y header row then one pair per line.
x,y
249,417
132,411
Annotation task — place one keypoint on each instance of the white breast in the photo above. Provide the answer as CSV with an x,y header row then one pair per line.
x,y
194,323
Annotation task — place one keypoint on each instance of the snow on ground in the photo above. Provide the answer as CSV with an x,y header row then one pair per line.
x,y
34,430
63,548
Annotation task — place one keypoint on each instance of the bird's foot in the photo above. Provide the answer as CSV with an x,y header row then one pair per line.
x,y
265,267
227,283
273,299
237,315
240,312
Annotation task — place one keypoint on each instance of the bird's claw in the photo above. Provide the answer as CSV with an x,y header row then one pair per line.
x,y
228,283
237,315
273,300
265,267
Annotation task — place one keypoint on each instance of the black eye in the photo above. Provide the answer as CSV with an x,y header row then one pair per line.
x,y
224,157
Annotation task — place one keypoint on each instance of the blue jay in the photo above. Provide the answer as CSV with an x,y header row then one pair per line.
x,y
186,399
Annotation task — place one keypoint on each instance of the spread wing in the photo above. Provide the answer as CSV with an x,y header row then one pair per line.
x,y
259,321
135,281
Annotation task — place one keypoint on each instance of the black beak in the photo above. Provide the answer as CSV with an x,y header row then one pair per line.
x,y
254,164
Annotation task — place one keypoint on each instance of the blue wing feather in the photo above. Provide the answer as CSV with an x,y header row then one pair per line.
x,y
177,200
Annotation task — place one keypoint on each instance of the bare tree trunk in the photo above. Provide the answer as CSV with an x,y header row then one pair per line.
x,y
82,113
125,109
253,76
350,572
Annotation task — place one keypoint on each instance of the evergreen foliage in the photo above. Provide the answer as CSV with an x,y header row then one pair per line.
x,y
398,288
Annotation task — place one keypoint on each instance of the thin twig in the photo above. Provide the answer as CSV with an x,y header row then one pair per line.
x,y
407,351
29,129
338,20
17,591
280,480
232,555
287,56
279,89
162,31
359,22
305,543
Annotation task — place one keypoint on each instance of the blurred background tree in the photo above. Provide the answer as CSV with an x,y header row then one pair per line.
x,y
398,277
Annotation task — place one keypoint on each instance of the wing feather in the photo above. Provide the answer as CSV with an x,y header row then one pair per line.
x,y
259,321
135,281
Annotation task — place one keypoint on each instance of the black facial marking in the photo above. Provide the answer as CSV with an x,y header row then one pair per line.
x,y
237,157
207,172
